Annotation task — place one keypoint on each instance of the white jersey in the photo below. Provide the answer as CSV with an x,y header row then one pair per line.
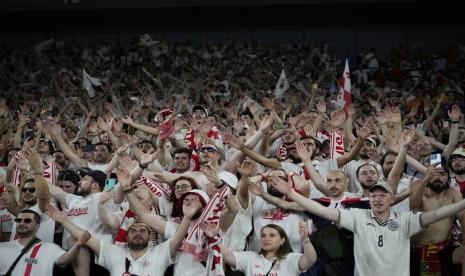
x,y
98,167
46,229
253,264
40,258
235,237
185,263
381,248
153,263
82,211
265,213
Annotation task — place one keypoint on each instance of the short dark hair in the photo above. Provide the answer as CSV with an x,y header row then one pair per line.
x,y
183,150
363,165
383,159
68,175
104,144
29,211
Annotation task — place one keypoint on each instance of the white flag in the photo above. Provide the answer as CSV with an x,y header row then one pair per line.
x,y
146,40
281,86
345,95
88,83
47,44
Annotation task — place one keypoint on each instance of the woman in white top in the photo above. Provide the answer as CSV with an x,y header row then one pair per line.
x,y
275,257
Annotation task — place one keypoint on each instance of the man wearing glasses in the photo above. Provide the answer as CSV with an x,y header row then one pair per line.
x,y
31,200
41,256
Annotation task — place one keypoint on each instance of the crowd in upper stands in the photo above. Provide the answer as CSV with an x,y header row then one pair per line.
x,y
195,158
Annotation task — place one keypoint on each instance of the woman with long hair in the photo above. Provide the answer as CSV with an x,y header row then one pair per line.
x,y
275,257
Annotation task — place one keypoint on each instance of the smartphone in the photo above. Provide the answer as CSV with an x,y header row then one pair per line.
x,y
435,159
110,184
29,134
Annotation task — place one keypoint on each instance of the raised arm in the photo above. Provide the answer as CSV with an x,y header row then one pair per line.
x,y
105,216
43,195
309,256
310,205
74,230
316,178
430,217
416,198
398,168
73,252
257,190
362,135
55,132
454,115
246,169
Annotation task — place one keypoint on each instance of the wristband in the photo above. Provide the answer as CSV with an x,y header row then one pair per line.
x,y
454,122
143,167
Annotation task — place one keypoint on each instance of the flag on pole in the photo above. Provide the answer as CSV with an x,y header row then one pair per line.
x,y
89,82
345,95
281,86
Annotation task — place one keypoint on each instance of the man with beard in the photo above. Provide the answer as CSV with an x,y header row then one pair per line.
x,y
41,256
100,156
138,258
433,250
82,210
456,164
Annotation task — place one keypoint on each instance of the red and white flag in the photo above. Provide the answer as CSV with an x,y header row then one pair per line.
x,y
89,82
345,95
336,145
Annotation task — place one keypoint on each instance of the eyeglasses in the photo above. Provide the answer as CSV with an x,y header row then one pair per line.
x,y
182,188
207,149
31,190
26,220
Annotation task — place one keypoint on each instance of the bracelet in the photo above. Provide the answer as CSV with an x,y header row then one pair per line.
x,y
143,167
454,122
127,191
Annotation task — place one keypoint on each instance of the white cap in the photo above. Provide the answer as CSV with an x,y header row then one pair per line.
x,y
229,178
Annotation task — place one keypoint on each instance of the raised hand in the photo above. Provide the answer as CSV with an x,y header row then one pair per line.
x,y
148,157
382,117
431,171
351,111
85,237
321,106
303,230
302,151
33,159
128,120
256,188
189,208
337,118
364,131
209,229
266,122
55,214
211,174
124,179
282,186
126,162
247,168
407,137
454,113
232,140
268,103
391,144
394,115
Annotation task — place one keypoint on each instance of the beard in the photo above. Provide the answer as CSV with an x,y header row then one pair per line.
x,y
81,192
367,186
364,155
138,245
437,186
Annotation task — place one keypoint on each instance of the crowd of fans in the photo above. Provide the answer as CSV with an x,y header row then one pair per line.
x,y
178,158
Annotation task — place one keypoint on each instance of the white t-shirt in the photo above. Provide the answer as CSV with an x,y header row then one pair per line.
x,y
253,264
46,255
82,211
185,263
165,206
381,248
235,238
99,167
265,213
153,263
46,229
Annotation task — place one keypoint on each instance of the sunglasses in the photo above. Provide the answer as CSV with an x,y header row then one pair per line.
x,y
26,220
31,190
207,149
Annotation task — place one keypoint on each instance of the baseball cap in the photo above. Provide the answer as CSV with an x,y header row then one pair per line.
x,y
457,153
201,108
381,185
229,178
97,176
373,141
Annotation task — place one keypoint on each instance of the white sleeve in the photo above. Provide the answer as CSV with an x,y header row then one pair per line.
x,y
163,254
170,229
292,263
412,222
347,218
243,259
107,254
54,252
